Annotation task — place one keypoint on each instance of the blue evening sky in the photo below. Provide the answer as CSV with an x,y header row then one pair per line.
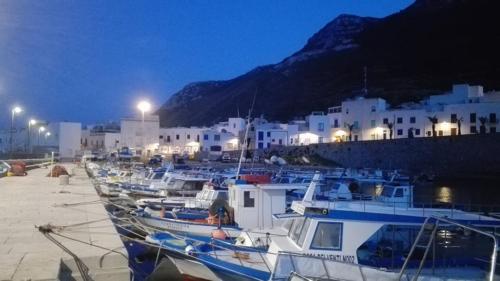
x,y
90,61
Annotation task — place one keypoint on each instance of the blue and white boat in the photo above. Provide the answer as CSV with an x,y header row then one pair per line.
x,y
379,238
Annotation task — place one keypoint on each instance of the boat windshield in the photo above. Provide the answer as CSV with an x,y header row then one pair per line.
x,y
299,229
387,191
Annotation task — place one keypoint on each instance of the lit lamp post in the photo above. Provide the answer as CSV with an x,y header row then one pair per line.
x,y
40,130
46,136
15,110
32,122
144,107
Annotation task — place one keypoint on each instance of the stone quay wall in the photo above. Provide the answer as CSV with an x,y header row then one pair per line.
x,y
466,156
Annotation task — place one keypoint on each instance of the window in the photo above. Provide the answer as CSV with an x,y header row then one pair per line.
x,y
168,138
399,192
205,137
261,135
336,123
273,140
355,137
215,148
177,137
453,118
280,141
188,136
216,137
268,134
321,127
356,124
417,132
493,130
440,133
399,120
413,120
198,138
248,202
303,233
261,145
328,236
372,123
373,108
386,121
400,132
296,228
473,130
268,145
473,117
493,118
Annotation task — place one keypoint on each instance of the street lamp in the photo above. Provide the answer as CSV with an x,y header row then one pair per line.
x,y
143,106
32,122
40,130
15,110
46,136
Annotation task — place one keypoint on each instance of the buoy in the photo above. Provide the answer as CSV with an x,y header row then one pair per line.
x,y
219,234
189,250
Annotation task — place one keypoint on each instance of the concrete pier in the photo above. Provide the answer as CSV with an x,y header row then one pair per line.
x,y
75,210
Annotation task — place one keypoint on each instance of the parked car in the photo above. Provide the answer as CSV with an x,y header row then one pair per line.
x,y
226,157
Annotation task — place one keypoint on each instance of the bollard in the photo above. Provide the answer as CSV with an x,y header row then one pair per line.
x,y
63,180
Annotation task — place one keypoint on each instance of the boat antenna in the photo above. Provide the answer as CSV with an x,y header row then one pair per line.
x,y
245,140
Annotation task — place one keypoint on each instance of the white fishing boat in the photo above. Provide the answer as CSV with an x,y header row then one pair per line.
x,y
381,238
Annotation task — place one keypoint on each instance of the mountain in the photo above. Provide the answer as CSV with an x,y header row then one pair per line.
x,y
408,55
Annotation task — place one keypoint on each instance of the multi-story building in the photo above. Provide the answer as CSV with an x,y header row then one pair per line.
x,y
138,134
464,110
101,138
223,136
180,140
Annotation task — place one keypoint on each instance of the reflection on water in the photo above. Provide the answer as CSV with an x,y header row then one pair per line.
x,y
464,191
444,194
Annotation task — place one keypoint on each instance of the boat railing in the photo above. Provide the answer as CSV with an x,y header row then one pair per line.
x,y
431,225
451,210
294,276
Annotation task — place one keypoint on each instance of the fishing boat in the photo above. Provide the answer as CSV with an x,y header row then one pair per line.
x,y
366,234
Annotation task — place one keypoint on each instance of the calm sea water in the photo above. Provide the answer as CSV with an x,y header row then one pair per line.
x,y
464,191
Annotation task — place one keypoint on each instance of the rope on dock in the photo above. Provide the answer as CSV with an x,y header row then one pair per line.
x,y
47,230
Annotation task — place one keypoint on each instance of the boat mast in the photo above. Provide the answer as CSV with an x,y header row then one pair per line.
x,y
245,140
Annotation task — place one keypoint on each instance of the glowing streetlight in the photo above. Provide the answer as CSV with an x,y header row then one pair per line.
x,y
46,136
15,110
32,122
143,106
40,130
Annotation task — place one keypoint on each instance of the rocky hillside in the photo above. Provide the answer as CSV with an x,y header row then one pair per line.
x,y
408,55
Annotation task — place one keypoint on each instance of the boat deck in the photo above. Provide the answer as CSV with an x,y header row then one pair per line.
x,y
34,200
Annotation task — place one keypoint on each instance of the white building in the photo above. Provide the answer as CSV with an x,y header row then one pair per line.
x,y
100,141
223,136
373,119
137,134
180,140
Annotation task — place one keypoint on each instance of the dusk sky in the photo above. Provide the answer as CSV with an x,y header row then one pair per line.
x,y
91,61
